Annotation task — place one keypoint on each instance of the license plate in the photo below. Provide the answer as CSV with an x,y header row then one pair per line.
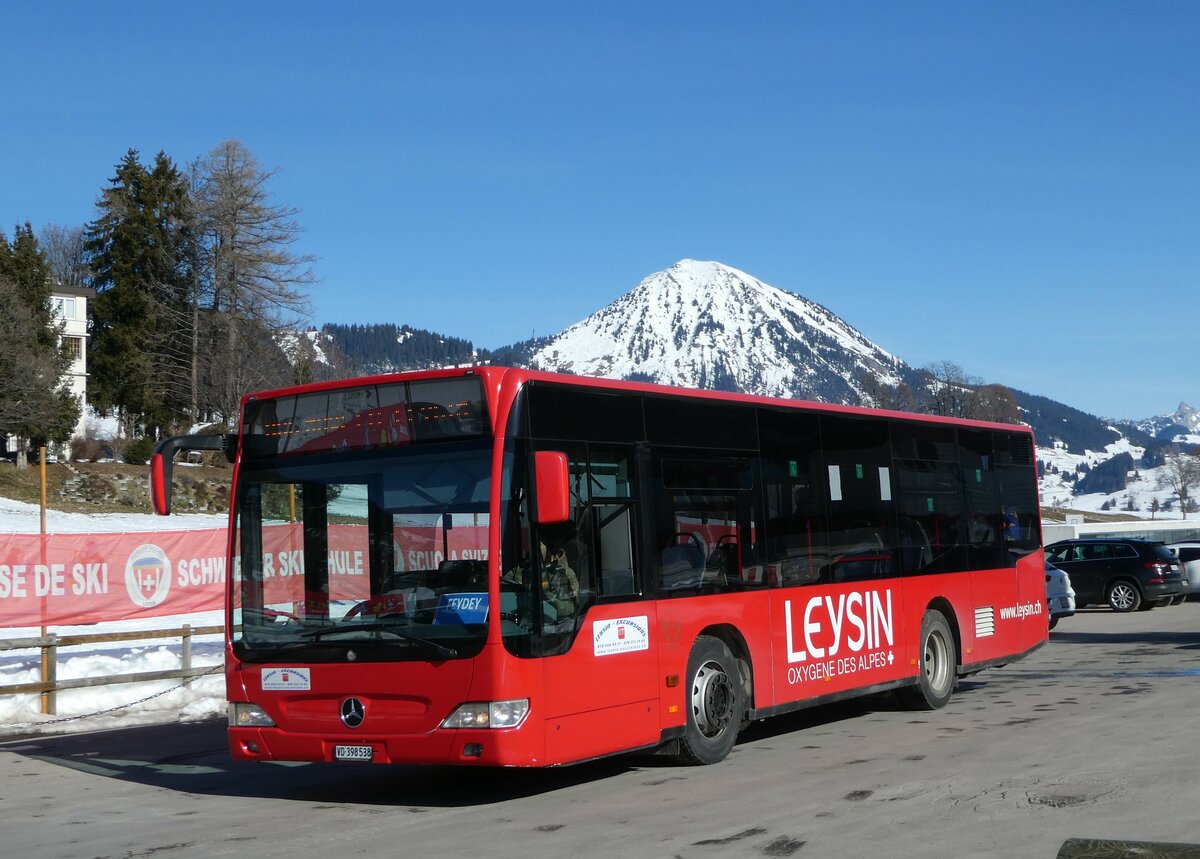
x,y
353,753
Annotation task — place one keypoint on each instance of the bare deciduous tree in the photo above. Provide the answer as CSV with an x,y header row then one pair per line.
x,y
949,389
65,253
251,277
877,394
994,403
952,393
1180,473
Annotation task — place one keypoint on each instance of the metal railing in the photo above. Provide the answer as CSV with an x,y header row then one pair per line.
x,y
50,685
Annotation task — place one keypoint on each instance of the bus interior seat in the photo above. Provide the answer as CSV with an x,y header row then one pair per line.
x,y
722,566
681,565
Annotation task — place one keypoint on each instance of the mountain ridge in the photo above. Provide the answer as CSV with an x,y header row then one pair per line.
x,y
675,327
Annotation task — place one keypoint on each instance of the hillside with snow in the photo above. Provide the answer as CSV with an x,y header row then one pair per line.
x,y
707,325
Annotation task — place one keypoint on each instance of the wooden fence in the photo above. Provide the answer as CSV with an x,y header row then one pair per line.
x,y
49,645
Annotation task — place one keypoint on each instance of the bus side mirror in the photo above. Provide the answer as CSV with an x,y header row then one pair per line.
x,y
553,487
160,485
161,463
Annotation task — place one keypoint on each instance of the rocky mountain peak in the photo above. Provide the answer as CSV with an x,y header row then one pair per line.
x,y
709,325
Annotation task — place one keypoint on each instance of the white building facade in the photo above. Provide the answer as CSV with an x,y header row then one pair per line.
x,y
70,306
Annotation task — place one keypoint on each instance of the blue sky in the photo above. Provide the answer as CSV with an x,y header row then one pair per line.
x,y
1014,187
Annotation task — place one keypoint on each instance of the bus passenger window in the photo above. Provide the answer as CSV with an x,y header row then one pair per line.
x,y
797,533
617,576
703,552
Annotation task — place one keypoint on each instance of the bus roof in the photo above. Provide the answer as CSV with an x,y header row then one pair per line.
x,y
495,377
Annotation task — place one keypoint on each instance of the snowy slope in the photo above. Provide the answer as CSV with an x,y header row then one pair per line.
x,y
1143,488
707,325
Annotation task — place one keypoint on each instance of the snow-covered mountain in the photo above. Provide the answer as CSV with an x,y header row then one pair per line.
x,y
1185,421
1187,417
707,325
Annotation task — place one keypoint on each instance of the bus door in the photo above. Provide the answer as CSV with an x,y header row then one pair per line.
x,y
600,688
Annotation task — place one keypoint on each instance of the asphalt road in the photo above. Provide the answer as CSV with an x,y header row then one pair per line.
x,y
1093,736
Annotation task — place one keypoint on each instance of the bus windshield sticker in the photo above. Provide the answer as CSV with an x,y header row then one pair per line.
x,y
835,483
462,608
286,680
620,635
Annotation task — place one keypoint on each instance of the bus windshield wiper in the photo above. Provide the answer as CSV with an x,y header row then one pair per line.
x,y
378,626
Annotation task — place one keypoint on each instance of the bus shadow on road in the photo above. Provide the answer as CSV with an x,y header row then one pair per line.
x,y
821,715
193,758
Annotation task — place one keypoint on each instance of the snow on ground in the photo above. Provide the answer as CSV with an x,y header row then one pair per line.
x,y
1136,499
17,517
107,707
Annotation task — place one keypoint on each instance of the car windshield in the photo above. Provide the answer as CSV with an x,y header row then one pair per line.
x,y
381,552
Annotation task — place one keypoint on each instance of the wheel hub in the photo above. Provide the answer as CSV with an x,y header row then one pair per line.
x,y
712,699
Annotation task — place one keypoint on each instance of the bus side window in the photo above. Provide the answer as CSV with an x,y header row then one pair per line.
x,y
797,527
617,577
858,460
609,518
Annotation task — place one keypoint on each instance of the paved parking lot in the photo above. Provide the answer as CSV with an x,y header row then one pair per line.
x,y
1090,737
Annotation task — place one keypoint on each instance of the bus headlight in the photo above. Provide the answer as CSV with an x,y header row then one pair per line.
x,y
249,716
488,714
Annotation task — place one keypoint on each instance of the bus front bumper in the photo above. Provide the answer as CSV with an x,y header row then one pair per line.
x,y
443,746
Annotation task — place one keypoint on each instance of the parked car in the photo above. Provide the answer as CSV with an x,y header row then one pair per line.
x,y
1189,554
1125,572
1060,597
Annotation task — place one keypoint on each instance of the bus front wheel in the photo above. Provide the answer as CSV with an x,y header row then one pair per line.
x,y
935,678
714,701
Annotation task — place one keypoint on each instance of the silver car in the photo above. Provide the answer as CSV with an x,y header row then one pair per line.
x,y
1060,596
1188,553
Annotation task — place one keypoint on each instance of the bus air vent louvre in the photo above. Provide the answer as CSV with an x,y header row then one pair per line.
x,y
985,622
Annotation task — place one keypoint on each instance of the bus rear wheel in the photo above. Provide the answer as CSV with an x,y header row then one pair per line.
x,y
935,680
714,701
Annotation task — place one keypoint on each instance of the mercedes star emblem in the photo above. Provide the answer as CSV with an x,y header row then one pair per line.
x,y
353,712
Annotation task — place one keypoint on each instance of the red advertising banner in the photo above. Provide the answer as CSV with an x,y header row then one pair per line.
x,y
89,578
60,579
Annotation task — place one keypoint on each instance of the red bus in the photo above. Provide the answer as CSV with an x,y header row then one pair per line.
x,y
492,566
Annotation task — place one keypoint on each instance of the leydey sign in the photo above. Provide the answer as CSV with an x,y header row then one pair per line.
x,y
832,635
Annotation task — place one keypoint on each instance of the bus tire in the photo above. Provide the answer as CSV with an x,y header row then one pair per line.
x,y
935,679
715,702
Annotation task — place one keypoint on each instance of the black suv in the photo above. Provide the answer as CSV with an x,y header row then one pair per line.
x,y
1125,572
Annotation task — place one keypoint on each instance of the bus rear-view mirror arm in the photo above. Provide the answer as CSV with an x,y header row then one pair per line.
x,y
161,463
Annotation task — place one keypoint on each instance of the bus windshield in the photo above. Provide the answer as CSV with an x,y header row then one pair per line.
x,y
384,554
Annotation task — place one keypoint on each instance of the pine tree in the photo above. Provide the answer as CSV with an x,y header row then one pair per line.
x,y
35,403
139,250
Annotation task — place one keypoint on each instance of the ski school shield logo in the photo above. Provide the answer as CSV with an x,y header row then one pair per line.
x,y
148,576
